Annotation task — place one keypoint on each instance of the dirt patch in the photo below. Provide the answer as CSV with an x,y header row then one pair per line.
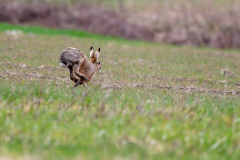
x,y
184,89
117,85
121,85
82,16
176,79
35,71
110,86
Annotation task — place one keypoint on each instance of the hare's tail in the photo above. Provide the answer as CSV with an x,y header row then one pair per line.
x,y
63,64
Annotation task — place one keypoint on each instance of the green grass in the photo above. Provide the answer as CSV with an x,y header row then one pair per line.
x,y
48,31
43,117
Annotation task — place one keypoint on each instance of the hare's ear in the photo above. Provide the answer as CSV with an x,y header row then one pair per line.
x,y
91,52
96,55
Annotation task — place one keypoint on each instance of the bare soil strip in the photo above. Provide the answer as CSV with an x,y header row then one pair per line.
x,y
177,79
122,85
149,86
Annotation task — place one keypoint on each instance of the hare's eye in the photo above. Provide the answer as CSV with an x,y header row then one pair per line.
x,y
98,62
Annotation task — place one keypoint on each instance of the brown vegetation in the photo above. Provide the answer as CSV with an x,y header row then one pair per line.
x,y
204,23
82,16
198,23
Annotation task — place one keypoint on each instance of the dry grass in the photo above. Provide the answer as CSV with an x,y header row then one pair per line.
x,y
186,22
212,23
80,16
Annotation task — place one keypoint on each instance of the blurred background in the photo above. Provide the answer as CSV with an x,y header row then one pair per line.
x,y
214,23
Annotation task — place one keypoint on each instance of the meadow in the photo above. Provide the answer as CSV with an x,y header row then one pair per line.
x,y
150,101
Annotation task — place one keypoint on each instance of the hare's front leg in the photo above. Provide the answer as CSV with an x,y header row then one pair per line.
x,y
84,84
71,74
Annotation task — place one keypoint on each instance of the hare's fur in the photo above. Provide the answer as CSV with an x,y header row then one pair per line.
x,y
77,62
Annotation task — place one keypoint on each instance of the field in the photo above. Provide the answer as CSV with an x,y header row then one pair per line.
x,y
150,101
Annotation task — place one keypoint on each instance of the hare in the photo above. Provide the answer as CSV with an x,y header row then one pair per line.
x,y
78,62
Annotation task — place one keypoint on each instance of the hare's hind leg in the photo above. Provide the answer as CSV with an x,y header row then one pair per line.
x,y
71,74
79,82
77,69
82,78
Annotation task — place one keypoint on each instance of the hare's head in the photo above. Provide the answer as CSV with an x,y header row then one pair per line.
x,y
94,55
98,66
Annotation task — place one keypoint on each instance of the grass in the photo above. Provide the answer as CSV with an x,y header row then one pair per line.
x,y
53,32
43,117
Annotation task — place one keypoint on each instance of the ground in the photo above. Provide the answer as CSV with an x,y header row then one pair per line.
x,y
149,101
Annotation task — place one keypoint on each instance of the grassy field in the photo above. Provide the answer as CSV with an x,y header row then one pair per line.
x,y
150,101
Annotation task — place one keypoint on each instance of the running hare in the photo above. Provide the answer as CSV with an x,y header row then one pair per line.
x,y
78,62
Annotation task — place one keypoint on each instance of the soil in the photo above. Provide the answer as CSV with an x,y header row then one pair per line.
x,y
118,85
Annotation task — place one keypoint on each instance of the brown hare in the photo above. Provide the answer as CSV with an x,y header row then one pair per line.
x,y
78,62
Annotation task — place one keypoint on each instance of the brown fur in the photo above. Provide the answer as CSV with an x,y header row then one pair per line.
x,y
78,62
